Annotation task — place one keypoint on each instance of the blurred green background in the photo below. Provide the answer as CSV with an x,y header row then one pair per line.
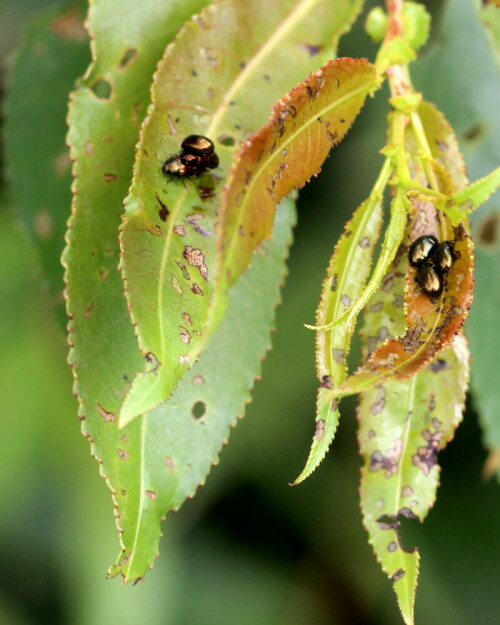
x,y
248,549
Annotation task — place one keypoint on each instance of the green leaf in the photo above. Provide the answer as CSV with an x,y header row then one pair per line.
x,y
443,143
474,195
225,85
346,276
416,24
53,54
172,450
392,239
103,133
402,426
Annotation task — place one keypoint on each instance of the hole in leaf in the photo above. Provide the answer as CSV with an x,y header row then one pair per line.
x,y
102,89
226,140
199,409
128,57
405,527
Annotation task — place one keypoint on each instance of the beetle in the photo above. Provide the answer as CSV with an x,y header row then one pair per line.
x,y
197,145
443,256
421,249
428,279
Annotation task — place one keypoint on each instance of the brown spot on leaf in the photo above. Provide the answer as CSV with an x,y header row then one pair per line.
x,y
206,192
163,213
397,575
187,318
150,494
327,382
432,403
184,334
122,454
437,365
345,300
110,177
105,414
388,462
198,379
379,404
311,49
338,356
406,491
169,463
127,58
196,289
364,242
179,230
392,546
426,456
195,257
176,284
320,429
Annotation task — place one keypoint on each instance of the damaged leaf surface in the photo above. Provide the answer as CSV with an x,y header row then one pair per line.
x,y
340,287
402,427
216,83
104,117
284,154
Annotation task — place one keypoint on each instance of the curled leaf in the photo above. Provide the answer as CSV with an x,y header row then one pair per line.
x,y
346,276
431,321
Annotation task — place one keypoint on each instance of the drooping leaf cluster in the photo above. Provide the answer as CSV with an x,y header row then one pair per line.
x,y
172,282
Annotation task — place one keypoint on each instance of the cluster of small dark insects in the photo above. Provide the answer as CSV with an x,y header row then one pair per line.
x,y
432,260
197,155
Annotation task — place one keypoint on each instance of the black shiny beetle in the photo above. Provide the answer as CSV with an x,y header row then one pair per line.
x,y
421,249
428,279
432,260
197,156
443,257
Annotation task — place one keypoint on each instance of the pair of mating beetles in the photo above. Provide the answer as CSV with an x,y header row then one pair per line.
x,y
197,156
